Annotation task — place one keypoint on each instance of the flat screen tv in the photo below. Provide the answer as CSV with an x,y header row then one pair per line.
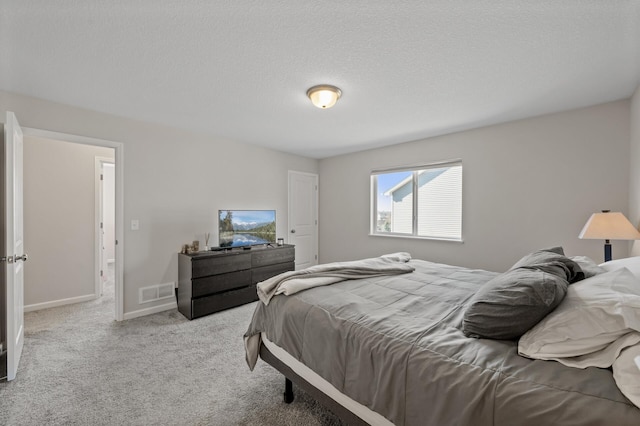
x,y
241,228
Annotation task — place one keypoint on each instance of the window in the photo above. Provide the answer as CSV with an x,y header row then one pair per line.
x,y
423,201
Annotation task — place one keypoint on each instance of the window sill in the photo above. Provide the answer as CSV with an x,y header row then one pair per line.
x,y
414,237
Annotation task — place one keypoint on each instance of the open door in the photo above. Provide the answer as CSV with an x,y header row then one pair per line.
x,y
14,255
105,220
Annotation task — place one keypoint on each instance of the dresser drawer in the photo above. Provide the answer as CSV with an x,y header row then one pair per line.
x,y
270,256
218,302
265,272
217,283
220,264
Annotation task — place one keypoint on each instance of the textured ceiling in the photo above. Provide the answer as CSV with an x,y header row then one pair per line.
x,y
239,69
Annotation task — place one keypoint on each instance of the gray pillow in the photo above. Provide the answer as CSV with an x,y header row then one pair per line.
x,y
511,303
552,261
588,266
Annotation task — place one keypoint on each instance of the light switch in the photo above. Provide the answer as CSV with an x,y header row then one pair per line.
x,y
135,224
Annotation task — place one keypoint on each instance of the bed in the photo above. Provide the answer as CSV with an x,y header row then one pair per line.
x,y
390,349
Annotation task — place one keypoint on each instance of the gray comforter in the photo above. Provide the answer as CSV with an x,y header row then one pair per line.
x,y
395,345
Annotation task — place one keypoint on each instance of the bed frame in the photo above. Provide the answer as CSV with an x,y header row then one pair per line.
x,y
292,377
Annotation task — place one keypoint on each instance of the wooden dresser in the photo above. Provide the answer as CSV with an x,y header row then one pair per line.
x,y
211,281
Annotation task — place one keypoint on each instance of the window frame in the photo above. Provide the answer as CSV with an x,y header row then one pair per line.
x,y
415,187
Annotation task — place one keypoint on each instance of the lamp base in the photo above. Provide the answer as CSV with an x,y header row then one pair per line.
x,y
607,251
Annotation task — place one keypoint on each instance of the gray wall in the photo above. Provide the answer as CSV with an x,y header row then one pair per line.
x,y
59,218
634,159
175,182
527,184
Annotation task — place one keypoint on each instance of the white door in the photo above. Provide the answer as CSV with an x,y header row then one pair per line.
x,y
14,243
303,217
101,263
105,220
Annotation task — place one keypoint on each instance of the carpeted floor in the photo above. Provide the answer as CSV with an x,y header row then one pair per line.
x,y
80,367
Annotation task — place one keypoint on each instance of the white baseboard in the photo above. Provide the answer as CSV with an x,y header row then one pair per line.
x,y
88,297
152,310
61,302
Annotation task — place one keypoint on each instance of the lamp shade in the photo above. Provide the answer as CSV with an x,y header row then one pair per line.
x,y
609,226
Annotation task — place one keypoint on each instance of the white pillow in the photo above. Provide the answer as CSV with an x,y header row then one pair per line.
x,y
603,358
627,374
595,312
631,263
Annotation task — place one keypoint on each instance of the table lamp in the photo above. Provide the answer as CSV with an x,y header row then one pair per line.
x,y
607,226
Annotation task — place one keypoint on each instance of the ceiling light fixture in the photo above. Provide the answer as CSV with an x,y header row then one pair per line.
x,y
324,96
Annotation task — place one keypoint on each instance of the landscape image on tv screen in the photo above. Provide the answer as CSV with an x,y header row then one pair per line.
x,y
238,228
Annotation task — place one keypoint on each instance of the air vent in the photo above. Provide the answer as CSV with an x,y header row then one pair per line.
x,y
156,292
165,290
148,294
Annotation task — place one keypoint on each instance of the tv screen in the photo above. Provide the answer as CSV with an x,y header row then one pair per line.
x,y
238,228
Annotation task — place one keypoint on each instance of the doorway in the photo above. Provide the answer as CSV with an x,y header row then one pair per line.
x,y
95,262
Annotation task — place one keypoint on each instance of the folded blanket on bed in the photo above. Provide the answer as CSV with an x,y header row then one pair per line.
x,y
329,273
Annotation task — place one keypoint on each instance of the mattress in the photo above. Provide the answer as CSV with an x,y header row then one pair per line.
x,y
394,345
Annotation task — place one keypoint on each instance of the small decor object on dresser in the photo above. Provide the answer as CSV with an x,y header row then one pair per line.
x,y
212,281
206,241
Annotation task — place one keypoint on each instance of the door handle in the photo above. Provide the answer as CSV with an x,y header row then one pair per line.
x,y
12,259
293,231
